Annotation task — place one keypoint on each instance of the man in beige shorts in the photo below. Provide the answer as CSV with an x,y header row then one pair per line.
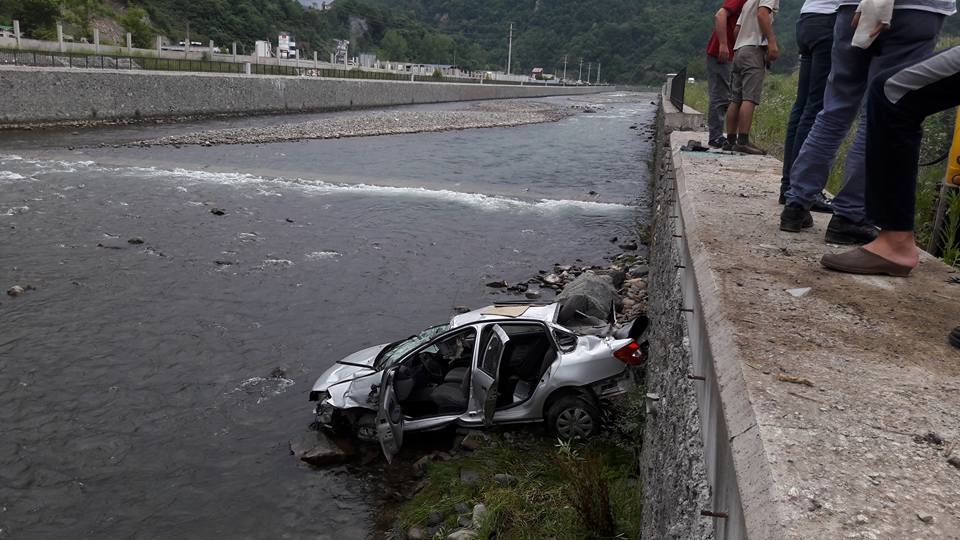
x,y
755,48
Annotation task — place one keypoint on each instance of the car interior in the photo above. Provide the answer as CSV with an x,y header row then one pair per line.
x,y
436,381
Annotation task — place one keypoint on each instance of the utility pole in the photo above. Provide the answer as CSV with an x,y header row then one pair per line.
x,y
510,49
564,79
580,73
598,72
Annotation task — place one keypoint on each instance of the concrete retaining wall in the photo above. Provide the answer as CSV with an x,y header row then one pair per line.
x,y
675,479
32,96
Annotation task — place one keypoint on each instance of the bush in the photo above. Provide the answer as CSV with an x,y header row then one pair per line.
x,y
589,493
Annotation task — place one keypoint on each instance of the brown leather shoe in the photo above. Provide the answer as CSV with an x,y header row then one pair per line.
x,y
861,261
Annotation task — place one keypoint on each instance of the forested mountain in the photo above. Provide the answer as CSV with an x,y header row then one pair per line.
x,y
634,40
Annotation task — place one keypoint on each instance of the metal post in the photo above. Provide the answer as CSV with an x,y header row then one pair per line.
x,y
16,31
234,50
60,37
159,46
315,65
129,43
510,49
246,68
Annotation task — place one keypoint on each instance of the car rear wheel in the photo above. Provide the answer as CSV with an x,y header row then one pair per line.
x,y
573,417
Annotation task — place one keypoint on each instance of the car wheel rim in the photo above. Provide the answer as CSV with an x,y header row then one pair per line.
x,y
574,422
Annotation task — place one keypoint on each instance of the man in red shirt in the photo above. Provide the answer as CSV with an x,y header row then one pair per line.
x,y
719,61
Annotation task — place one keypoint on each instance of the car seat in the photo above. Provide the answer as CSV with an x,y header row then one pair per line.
x,y
452,395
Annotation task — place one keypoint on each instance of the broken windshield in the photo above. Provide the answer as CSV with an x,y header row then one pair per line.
x,y
398,349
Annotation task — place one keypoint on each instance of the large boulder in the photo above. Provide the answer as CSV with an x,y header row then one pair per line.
x,y
589,295
319,450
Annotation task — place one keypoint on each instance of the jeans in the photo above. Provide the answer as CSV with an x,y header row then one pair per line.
x,y
718,84
910,38
894,131
814,40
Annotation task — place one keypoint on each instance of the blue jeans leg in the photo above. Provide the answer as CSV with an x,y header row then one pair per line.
x,y
911,38
841,101
718,85
814,40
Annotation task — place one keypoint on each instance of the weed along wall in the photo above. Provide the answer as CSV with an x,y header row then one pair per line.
x,y
63,95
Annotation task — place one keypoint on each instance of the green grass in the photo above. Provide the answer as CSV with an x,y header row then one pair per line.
x,y
542,502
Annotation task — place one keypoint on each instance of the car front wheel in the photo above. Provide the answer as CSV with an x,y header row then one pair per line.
x,y
573,417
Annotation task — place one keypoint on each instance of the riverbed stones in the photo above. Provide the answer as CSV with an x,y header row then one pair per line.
x,y
16,290
589,294
434,519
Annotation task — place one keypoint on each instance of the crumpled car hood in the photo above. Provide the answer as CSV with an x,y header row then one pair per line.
x,y
343,370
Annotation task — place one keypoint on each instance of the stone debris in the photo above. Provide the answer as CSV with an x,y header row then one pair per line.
x,y
799,292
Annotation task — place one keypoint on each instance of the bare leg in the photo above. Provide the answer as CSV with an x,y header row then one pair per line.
x,y
745,119
733,114
896,246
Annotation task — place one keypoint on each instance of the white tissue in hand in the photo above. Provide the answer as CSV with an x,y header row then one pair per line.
x,y
872,12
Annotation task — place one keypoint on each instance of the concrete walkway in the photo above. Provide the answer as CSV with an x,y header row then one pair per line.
x,y
853,388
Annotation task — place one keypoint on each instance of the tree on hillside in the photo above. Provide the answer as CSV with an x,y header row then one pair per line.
x,y
38,18
134,20
393,46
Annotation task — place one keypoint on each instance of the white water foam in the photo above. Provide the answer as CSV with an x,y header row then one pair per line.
x,y
266,187
320,255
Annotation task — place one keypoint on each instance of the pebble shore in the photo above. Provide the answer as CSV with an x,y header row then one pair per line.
x,y
500,113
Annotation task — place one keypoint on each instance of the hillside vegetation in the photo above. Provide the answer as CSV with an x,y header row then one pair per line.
x,y
633,41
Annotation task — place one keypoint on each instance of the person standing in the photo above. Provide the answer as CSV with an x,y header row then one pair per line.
x,y
719,61
909,37
814,41
898,102
755,49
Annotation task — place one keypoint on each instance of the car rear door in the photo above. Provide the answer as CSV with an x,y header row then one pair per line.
x,y
484,380
389,417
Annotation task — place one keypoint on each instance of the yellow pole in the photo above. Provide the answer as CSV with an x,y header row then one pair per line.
x,y
953,165
951,180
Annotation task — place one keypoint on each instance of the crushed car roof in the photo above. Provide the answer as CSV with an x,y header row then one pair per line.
x,y
528,311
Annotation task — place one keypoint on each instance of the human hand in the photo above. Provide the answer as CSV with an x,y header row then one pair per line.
x,y
724,54
879,27
773,52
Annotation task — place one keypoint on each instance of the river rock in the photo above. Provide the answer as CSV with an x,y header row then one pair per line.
x,y
505,479
16,290
318,450
218,211
589,294
135,240
465,521
462,508
479,515
468,476
462,534
416,533
434,519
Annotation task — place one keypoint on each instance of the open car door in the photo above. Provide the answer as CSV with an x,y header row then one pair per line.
x,y
484,379
389,417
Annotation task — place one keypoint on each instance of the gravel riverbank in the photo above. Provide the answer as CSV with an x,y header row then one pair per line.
x,y
500,113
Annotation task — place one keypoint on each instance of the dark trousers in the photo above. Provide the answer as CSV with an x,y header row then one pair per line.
x,y
899,100
814,40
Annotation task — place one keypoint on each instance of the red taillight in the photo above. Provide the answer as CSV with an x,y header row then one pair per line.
x,y
630,354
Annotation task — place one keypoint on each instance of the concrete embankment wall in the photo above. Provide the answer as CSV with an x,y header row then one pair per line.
x,y
34,96
786,400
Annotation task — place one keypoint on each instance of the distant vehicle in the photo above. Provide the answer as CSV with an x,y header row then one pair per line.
x,y
505,363
192,44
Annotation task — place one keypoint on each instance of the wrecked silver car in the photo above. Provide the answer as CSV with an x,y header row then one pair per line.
x,y
505,363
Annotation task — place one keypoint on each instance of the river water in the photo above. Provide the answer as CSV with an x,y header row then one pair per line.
x,y
136,396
